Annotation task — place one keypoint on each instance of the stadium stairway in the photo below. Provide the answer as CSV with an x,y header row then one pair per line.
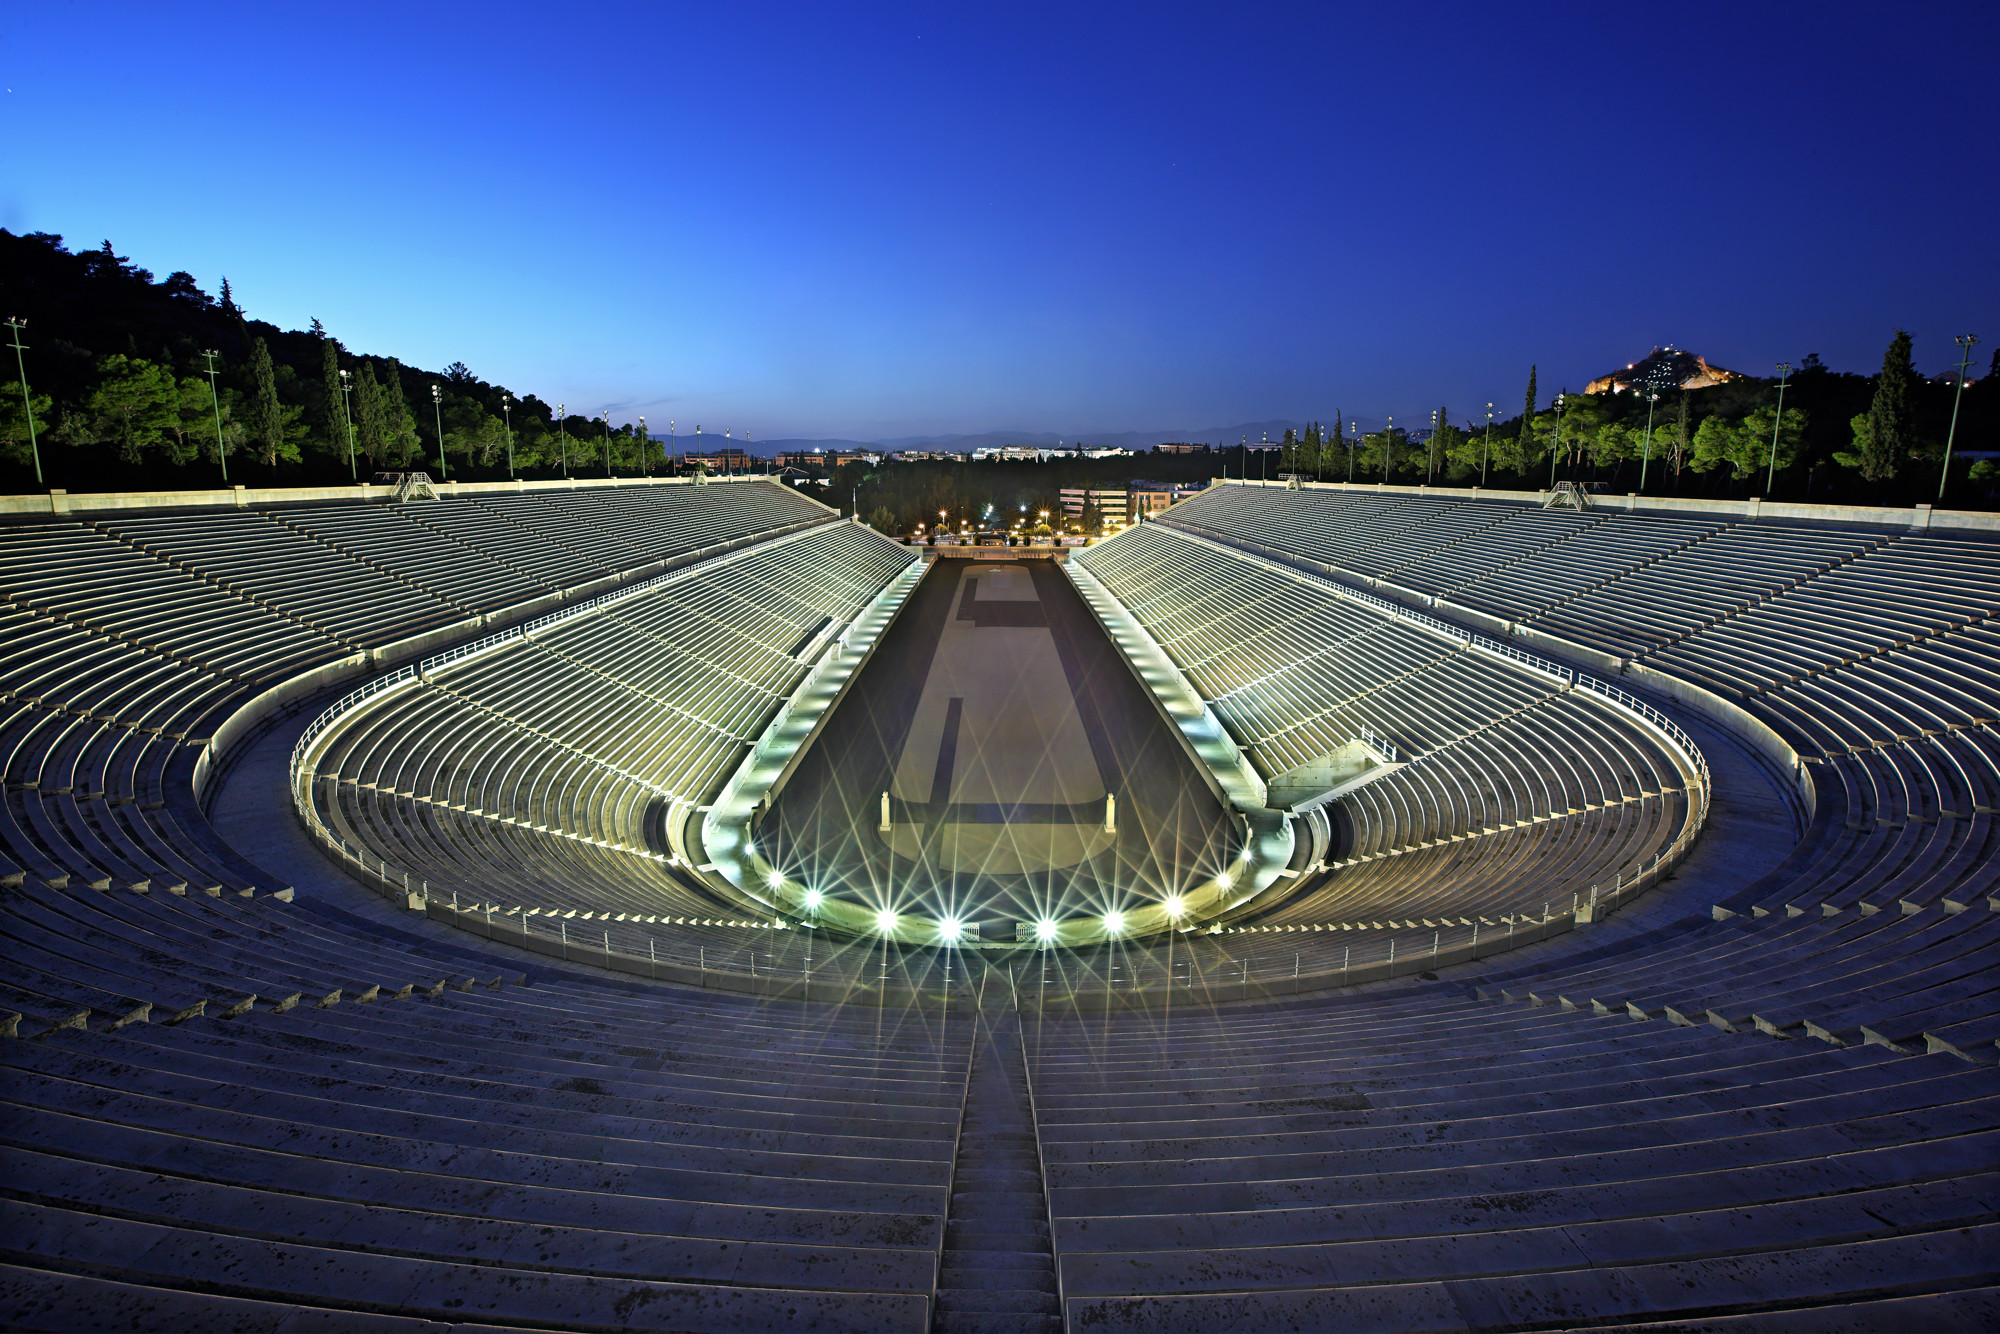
x,y
997,1275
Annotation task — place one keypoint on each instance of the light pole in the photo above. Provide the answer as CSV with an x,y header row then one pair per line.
x,y
607,442
1486,450
562,437
347,419
1555,449
645,450
1430,451
507,415
1770,473
1646,460
437,409
215,401
1354,432
1965,342
1388,437
27,403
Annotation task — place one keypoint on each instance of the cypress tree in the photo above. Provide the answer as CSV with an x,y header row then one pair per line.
x,y
336,429
399,426
1528,423
370,423
1889,434
267,412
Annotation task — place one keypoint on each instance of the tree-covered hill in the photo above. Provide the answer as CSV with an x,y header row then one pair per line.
x,y
122,397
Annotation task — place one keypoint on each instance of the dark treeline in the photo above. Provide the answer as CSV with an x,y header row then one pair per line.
x,y
124,397
1844,438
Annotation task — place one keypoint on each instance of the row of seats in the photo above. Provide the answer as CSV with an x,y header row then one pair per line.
x,y
536,777
1513,791
125,645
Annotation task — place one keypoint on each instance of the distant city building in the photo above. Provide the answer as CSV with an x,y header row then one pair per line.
x,y
819,460
1662,369
1111,503
1008,454
1148,498
1179,447
1108,452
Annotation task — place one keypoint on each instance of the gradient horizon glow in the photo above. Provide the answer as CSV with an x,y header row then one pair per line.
x,y
831,221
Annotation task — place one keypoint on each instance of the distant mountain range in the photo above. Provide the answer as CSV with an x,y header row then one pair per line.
x,y
1255,432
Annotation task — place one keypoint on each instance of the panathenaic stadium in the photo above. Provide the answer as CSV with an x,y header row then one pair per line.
x,y
666,906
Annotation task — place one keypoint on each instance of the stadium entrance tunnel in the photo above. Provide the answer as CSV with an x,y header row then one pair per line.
x,y
997,776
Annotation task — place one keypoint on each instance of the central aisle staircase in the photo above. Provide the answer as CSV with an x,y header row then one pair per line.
x,y
998,1274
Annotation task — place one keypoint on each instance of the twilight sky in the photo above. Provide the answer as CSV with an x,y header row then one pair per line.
x,y
820,219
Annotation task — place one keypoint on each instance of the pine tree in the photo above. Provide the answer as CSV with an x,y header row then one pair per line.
x,y
1528,423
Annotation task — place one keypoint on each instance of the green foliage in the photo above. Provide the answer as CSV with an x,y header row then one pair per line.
x,y
14,420
196,434
1886,436
134,405
1527,439
274,427
1745,444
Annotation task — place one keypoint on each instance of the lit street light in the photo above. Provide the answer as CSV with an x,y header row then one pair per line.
x,y
437,410
1486,451
347,416
507,415
1646,460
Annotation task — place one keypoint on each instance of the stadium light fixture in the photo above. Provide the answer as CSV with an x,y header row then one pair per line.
x,y
813,898
775,880
1114,922
885,921
1175,905
1771,472
950,929
437,407
215,400
1224,880
1965,342
16,323
1045,930
347,419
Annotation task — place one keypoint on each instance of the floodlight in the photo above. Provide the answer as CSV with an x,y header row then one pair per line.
x,y
1223,880
812,898
885,921
1045,930
776,880
950,929
1175,905
1114,922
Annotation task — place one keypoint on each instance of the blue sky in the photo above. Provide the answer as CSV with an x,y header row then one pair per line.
x,y
889,220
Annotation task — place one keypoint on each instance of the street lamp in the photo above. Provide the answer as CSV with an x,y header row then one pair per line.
x,y
1965,342
1555,449
1646,460
1430,451
215,401
437,410
645,450
347,416
1388,437
562,437
507,415
27,403
1486,450
1354,431
1784,373
607,442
